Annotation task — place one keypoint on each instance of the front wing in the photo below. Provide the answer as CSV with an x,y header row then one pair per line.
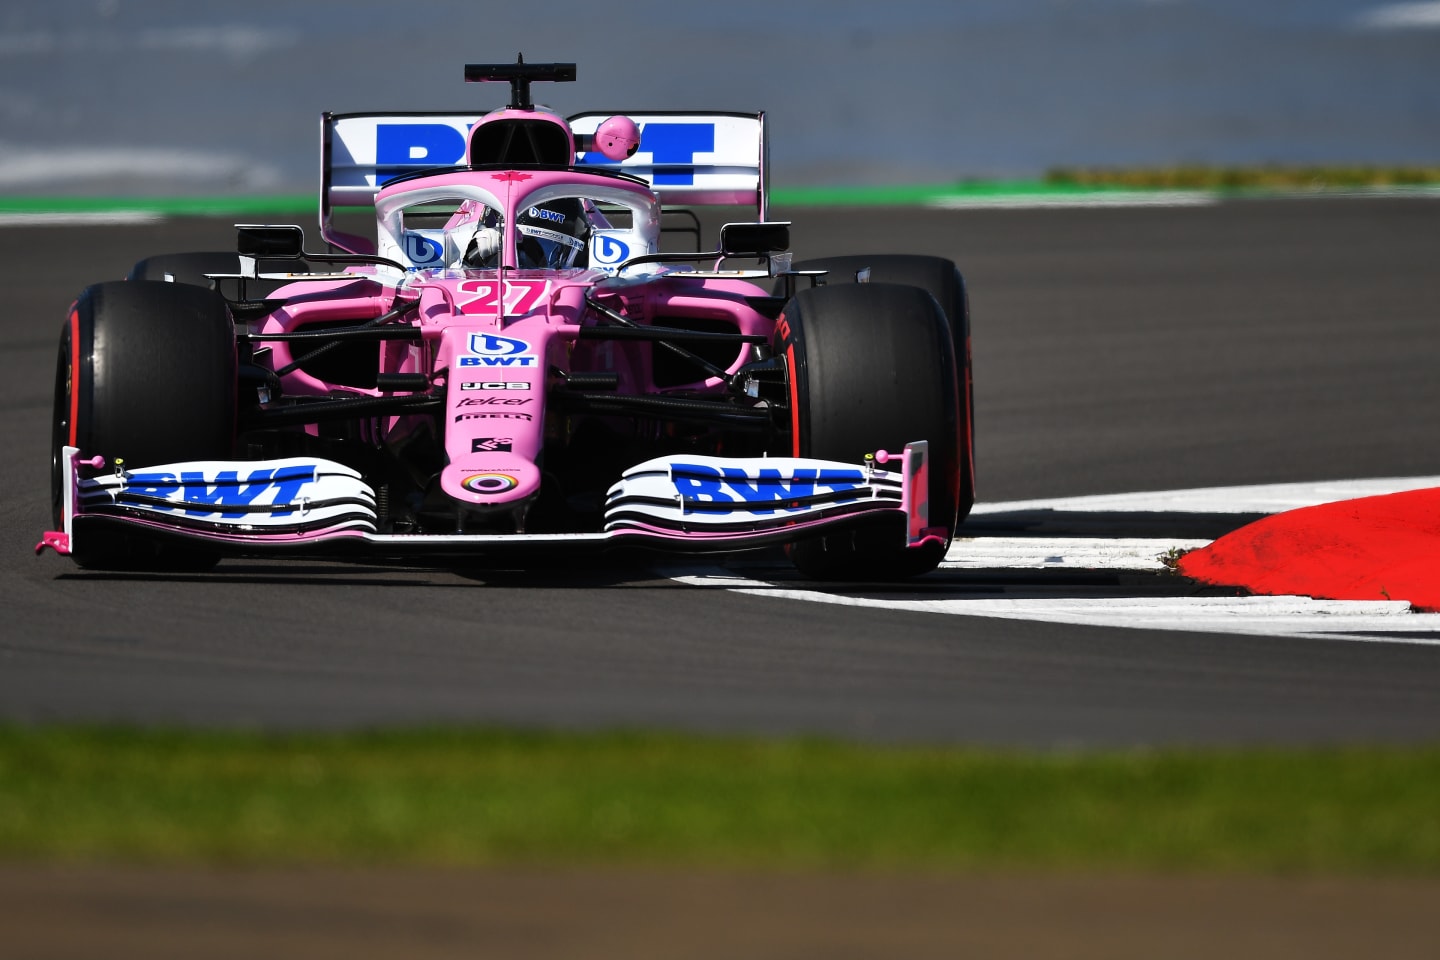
x,y
315,508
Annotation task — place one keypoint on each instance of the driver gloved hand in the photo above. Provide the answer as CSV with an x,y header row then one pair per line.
x,y
484,248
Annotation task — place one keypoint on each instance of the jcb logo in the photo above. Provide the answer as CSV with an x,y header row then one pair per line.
x,y
496,385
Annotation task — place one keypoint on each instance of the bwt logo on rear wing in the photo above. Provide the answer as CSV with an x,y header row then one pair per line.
x,y
693,158
689,158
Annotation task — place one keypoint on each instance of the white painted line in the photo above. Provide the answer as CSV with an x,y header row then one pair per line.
x,y
1261,498
1301,617
1063,553
1048,201
111,218
1378,621
1173,198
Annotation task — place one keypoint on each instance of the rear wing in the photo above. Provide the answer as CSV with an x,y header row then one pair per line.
x,y
687,157
360,152
691,158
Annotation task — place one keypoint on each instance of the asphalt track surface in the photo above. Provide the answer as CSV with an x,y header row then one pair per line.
x,y
1115,350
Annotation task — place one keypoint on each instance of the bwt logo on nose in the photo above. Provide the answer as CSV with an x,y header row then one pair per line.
x,y
488,343
489,350
409,146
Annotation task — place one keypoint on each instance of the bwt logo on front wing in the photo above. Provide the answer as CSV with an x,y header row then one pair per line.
x,y
706,489
225,493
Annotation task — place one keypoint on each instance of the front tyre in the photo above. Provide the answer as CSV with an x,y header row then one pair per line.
x,y
872,367
146,372
942,280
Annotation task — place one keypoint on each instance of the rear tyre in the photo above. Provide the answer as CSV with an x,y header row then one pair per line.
x,y
872,367
943,281
146,372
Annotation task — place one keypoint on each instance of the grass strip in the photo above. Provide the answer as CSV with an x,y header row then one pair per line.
x,y
1262,178
492,797
1058,182
167,206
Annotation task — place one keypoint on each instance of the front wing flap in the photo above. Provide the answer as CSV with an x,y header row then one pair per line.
x,y
310,507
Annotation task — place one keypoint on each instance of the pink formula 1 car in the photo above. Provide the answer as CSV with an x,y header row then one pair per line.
x,y
516,366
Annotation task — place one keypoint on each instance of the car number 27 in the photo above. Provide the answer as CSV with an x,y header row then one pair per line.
x,y
521,296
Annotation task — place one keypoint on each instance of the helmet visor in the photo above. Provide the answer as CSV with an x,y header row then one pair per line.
x,y
542,248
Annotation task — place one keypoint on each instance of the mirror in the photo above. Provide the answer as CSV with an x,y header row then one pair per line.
x,y
754,239
267,240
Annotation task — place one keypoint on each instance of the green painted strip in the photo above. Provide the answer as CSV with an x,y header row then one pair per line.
x,y
828,196
926,193
167,206
793,196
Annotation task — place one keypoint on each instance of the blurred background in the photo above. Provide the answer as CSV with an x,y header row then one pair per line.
x,y
166,97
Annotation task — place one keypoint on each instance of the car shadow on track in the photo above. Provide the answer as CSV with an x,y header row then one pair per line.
x,y
310,573
638,569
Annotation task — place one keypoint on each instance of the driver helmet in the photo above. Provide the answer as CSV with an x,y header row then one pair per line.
x,y
552,235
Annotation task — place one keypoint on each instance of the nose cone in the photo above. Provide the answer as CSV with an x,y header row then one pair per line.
x,y
491,478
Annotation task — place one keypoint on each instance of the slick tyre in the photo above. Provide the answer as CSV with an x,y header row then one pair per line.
x,y
146,372
872,367
943,281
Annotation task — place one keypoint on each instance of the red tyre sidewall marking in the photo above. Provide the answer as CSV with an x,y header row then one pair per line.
x,y
794,403
74,375
967,424
782,327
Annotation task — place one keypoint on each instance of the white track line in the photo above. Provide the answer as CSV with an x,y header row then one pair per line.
x,y
1052,201
1365,621
1254,498
1300,617
1063,553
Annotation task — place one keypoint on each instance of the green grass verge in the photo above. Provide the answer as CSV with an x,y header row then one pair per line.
x,y
168,206
488,797
1060,182
1196,177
